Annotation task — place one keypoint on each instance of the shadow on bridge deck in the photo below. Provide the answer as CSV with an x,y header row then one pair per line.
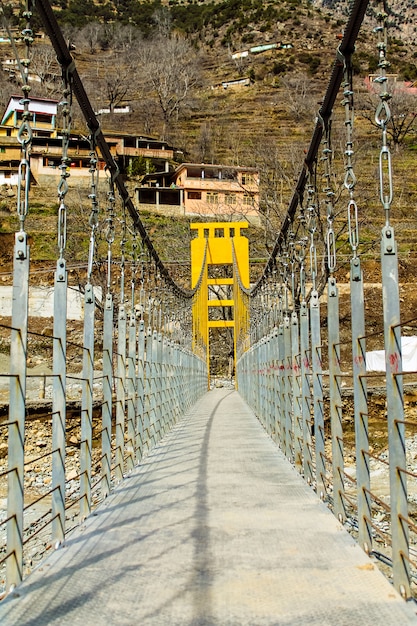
x,y
214,528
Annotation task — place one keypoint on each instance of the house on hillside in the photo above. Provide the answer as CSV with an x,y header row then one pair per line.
x,y
406,86
203,190
132,153
133,150
43,117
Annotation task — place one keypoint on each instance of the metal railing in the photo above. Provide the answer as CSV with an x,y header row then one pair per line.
x,y
306,384
112,418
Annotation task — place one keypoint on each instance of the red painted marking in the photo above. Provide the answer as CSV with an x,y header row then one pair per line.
x,y
394,361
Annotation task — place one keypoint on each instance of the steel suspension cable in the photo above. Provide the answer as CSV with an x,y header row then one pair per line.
x,y
67,63
345,50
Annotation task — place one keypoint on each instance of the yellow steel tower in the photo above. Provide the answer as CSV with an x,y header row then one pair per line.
x,y
220,257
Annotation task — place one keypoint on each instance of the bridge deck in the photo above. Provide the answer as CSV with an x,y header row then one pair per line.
x,y
214,528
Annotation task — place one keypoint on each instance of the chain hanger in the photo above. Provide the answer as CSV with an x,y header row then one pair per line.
x,y
93,219
327,157
382,118
24,134
123,255
110,230
350,176
66,107
311,221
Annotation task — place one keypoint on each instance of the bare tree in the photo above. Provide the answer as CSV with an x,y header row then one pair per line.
x,y
117,82
113,82
45,66
170,70
122,37
278,172
298,95
89,37
403,111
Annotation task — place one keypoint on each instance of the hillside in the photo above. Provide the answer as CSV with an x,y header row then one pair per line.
x,y
267,124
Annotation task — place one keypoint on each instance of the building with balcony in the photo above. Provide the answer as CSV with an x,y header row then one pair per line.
x,y
203,190
43,117
133,154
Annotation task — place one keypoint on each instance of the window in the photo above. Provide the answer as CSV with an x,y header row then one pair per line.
x,y
248,200
129,142
42,118
247,179
229,198
212,197
194,195
2,149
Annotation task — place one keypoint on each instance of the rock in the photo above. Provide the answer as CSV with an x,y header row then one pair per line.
x,y
72,474
73,440
3,450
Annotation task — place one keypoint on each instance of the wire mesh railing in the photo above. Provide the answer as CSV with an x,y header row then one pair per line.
x,y
347,425
110,395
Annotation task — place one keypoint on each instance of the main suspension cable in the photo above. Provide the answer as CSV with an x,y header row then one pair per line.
x,y
67,63
345,50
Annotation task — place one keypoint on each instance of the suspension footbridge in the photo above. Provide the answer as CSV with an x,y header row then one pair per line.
x,y
215,527
228,506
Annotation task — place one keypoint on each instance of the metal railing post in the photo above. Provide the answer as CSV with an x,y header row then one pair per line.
x,y
395,412
306,391
120,393
287,363
360,396
281,385
59,402
17,411
140,385
131,394
296,392
317,392
87,404
107,409
335,397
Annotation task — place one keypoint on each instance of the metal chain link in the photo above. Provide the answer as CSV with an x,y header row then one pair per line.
x,y
300,256
327,155
122,255
134,266
350,176
24,135
382,118
66,106
311,224
93,219
292,261
110,231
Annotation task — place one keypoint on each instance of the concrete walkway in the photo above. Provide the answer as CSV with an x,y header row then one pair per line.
x,y
215,528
